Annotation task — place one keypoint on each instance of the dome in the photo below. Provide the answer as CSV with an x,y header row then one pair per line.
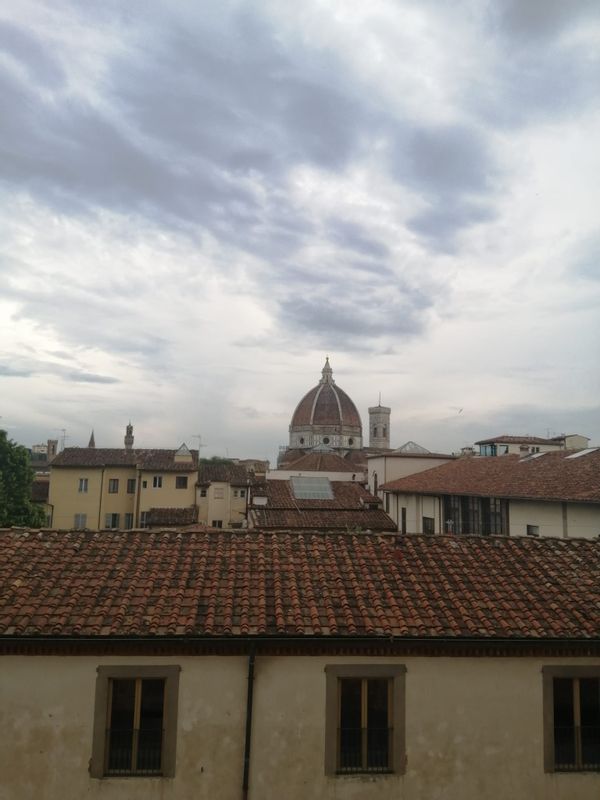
x,y
326,415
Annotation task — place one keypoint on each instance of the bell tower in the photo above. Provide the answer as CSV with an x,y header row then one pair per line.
x,y
128,439
379,426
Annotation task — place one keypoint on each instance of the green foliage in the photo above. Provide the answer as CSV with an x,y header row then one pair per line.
x,y
16,477
216,460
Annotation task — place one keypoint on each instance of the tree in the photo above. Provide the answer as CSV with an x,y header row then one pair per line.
x,y
16,477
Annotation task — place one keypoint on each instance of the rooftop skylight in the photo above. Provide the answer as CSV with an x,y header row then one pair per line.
x,y
311,488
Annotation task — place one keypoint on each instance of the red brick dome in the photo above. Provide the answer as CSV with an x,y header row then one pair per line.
x,y
326,409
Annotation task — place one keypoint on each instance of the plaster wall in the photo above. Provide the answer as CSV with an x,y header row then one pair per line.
x,y
67,500
473,730
228,508
167,496
572,520
392,467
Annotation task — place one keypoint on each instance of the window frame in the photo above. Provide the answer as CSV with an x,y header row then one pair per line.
x,y
549,673
396,674
170,674
113,486
80,521
83,485
131,485
157,481
181,481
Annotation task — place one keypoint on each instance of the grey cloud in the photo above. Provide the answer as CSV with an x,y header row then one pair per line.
x,y
539,18
441,222
352,236
14,372
42,66
86,377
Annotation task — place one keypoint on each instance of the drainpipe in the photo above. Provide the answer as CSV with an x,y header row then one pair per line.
x,y
249,697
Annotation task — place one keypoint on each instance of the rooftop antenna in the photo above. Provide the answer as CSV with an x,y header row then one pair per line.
x,y
379,398
63,438
200,445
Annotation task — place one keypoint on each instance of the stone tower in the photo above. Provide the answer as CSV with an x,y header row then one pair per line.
x,y
379,426
129,437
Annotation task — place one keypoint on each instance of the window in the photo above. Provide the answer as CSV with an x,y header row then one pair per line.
x,y
130,485
83,484
157,482
144,519
128,522
242,493
387,502
113,485
428,525
217,523
219,493
181,482
571,719
202,492
135,721
80,522
326,440
111,521
533,530
364,719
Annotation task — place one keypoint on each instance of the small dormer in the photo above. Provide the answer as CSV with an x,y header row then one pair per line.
x,y
183,455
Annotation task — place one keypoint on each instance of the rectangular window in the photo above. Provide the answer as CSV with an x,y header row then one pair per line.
x,y
83,485
128,521
144,519
217,523
428,525
111,521
219,493
387,502
364,719
181,482
80,522
144,484
236,493
113,485
130,485
157,482
572,719
242,493
135,721
533,530
202,492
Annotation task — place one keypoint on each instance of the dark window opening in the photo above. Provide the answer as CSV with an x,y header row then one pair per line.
x,y
135,727
576,707
428,525
130,485
364,734
475,515
181,482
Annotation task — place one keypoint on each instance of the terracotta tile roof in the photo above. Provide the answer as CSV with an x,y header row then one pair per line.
x,y
321,462
163,460
506,439
235,474
139,583
547,476
172,516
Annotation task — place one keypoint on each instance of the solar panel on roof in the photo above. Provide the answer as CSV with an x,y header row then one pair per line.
x,y
311,488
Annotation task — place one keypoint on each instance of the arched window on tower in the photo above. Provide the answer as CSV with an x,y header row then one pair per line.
x,y
384,431
375,431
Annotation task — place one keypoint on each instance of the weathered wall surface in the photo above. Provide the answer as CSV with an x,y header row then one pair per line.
x,y
473,732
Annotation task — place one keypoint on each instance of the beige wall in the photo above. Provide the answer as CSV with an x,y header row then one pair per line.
x,y
577,520
573,520
97,502
390,468
228,508
473,732
167,496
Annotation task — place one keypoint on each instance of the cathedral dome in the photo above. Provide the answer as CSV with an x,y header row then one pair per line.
x,y
326,416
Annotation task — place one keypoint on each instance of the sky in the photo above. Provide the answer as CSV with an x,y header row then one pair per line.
x,y
200,201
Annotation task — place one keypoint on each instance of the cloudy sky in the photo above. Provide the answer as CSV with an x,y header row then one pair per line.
x,y
202,200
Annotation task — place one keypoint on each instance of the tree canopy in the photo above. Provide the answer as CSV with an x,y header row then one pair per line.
x,y
16,478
